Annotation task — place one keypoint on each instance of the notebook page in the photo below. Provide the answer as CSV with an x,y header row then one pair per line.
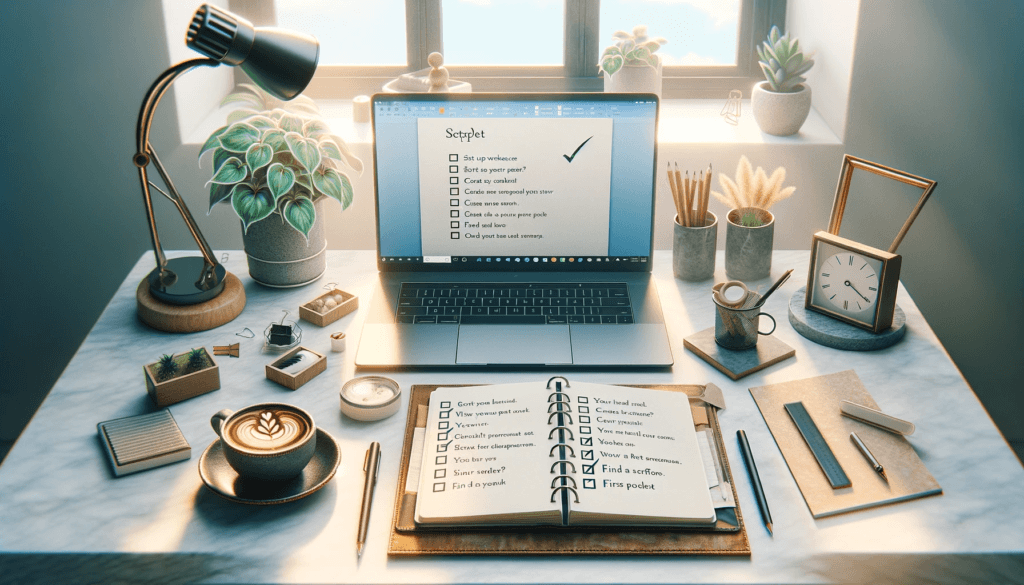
x,y
639,461
486,457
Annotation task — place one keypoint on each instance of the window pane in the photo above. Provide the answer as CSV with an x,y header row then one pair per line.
x,y
503,32
699,32
350,32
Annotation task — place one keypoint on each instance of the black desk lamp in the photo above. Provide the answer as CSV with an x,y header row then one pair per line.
x,y
196,293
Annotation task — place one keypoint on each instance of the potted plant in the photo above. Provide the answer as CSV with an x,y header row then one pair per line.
x,y
174,378
781,102
630,65
750,230
276,163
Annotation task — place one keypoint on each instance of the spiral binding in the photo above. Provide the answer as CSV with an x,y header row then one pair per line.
x,y
558,419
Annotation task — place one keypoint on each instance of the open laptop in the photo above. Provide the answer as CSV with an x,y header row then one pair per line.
x,y
514,230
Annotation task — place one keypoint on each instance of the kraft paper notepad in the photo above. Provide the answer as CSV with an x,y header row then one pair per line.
x,y
908,477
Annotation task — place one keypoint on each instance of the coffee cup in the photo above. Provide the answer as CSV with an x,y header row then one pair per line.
x,y
271,441
736,327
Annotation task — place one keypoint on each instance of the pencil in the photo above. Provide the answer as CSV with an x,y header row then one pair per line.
x,y
706,195
682,196
675,194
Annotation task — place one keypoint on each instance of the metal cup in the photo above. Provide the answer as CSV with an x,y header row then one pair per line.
x,y
736,327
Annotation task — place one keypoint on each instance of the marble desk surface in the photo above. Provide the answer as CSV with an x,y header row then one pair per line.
x,y
65,518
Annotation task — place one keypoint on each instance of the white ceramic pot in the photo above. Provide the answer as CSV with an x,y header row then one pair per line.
x,y
634,79
780,114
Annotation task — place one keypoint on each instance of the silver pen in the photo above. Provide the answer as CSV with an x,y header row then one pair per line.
x,y
867,455
371,465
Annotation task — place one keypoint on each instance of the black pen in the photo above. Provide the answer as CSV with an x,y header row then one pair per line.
x,y
748,459
371,465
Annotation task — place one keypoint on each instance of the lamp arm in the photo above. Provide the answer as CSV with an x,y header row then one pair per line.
x,y
146,154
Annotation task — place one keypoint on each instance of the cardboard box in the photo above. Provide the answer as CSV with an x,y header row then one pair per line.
x,y
349,303
181,387
297,379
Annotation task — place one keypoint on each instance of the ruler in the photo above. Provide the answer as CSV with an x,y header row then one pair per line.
x,y
822,453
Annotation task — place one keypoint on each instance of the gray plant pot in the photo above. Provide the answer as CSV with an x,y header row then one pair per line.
x,y
780,114
693,250
280,256
748,250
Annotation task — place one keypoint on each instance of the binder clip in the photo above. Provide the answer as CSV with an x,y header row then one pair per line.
x,y
283,335
231,350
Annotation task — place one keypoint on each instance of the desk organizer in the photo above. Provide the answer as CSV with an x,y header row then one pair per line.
x,y
295,380
320,315
184,386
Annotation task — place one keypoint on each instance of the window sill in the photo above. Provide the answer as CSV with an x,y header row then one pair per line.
x,y
682,122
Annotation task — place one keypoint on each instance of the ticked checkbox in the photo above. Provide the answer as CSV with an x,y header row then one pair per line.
x,y
584,419
443,436
586,441
440,473
590,484
589,469
453,158
443,447
444,413
587,454
439,486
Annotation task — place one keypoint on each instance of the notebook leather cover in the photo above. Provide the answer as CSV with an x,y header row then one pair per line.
x,y
727,537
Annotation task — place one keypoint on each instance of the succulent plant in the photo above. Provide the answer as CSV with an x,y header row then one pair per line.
x,y
631,49
750,219
782,62
196,359
752,188
277,157
166,367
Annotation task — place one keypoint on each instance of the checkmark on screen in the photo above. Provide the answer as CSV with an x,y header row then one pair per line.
x,y
569,158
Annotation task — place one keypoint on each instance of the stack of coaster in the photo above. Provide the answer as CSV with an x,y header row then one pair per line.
x,y
738,363
142,442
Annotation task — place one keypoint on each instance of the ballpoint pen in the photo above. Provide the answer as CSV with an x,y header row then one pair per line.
x,y
867,455
748,459
371,465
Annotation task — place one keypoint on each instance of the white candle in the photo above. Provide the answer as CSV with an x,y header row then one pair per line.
x,y
370,398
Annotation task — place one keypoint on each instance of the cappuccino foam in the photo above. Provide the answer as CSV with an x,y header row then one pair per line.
x,y
267,430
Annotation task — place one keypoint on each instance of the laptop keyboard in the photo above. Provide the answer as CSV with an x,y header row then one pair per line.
x,y
514,303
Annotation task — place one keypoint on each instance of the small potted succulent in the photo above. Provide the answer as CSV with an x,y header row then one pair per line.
x,y
630,65
781,102
750,230
174,378
276,163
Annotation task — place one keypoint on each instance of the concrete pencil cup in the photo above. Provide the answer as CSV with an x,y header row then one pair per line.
x,y
693,249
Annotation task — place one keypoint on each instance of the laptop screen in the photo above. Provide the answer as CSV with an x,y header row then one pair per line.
x,y
495,182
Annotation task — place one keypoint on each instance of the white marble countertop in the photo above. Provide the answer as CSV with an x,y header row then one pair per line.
x,y
64,517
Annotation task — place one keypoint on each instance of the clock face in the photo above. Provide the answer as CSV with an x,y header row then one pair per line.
x,y
846,282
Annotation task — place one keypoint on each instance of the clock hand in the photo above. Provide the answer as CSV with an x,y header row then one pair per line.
x,y
847,283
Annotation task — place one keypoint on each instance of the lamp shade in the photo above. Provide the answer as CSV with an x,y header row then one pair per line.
x,y
280,61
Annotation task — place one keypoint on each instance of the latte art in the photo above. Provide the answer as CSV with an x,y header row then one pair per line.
x,y
267,430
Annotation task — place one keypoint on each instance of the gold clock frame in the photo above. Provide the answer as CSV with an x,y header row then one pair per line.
x,y
888,279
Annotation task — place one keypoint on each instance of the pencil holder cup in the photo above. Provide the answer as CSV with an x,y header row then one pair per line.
x,y
748,249
737,327
693,249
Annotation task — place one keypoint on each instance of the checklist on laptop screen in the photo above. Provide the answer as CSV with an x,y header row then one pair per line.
x,y
518,182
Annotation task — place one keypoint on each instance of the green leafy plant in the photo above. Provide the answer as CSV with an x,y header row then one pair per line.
x,y
782,62
631,49
196,359
750,219
166,367
277,157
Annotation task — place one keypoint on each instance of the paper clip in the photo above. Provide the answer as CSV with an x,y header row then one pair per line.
x,y
250,336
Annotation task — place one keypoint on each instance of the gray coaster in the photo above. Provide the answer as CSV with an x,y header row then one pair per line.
x,y
738,363
137,443
829,332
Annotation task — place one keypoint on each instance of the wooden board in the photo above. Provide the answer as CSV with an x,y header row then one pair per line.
x,y
738,363
191,318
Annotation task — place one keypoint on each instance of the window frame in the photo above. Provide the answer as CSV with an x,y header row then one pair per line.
x,y
578,73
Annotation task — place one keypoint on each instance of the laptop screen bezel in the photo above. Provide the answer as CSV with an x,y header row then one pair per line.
x,y
613,264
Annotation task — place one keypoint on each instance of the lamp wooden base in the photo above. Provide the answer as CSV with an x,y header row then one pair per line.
x,y
191,318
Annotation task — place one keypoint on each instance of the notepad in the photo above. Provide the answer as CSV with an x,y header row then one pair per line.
x,y
570,455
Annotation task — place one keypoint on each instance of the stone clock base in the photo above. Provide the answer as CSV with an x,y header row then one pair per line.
x,y
829,332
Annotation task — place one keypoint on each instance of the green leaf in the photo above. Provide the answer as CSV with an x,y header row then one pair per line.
x,y
612,50
240,115
242,97
651,46
640,54
621,34
219,193
275,138
220,156
239,137
303,109
277,113
334,184
760,54
261,122
769,76
300,214
211,143
769,51
304,181
611,64
251,206
291,123
232,171
627,46
259,156
328,149
315,129
349,157
304,150
280,179
774,34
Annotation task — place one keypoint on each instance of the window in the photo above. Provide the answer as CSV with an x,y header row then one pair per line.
x,y
523,45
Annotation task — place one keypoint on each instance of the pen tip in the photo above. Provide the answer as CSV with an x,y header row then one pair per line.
x,y
359,551
769,526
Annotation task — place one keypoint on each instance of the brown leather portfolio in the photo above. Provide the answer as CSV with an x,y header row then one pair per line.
x,y
727,537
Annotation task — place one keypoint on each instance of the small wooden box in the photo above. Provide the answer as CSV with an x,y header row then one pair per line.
x,y
294,381
349,303
182,387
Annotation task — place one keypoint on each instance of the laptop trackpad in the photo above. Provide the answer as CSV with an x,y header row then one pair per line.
x,y
514,344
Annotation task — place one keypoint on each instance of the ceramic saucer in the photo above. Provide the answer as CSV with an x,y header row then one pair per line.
x,y
225,481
